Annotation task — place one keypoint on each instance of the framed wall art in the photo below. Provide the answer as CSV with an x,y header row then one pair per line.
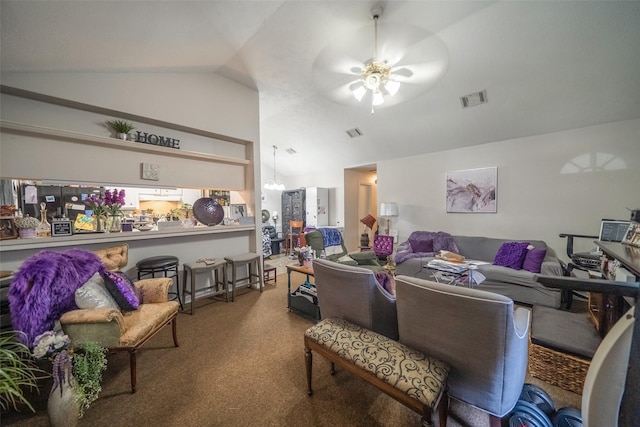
x,y
472,190
8,228
238,211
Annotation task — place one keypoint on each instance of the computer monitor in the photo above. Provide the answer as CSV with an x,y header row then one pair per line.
x,y
612,230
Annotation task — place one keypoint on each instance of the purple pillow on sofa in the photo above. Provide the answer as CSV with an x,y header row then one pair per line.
x,y
533,259
511,254
121,289
421,245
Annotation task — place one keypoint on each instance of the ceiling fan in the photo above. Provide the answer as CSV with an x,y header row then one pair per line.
x,y
407,61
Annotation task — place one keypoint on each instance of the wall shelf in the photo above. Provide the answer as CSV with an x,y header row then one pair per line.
x,y
81,138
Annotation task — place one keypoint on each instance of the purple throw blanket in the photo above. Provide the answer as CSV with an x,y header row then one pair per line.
x,y
441,241
44,288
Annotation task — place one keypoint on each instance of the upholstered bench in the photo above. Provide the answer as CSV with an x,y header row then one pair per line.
x,y
412,378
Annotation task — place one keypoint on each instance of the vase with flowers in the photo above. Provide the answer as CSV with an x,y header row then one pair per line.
x,y
114,200
96,204
27,226
77,375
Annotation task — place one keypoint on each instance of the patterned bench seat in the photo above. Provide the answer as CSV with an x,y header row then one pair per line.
x,y
412,378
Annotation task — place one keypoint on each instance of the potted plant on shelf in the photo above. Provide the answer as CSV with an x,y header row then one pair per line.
x,y
121,128
18,372
27,227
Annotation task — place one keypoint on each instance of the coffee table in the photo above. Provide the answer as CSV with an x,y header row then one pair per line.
x,y
452,273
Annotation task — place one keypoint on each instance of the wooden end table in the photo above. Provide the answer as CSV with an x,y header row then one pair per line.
x,y
306,306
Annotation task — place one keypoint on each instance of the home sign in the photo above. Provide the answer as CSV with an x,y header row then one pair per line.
x,y
163,141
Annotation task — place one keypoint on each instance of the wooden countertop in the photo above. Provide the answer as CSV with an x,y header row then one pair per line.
x,y
92,238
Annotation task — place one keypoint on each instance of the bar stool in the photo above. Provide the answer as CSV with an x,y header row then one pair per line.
x,y
219,269
251,261
166,264
268,269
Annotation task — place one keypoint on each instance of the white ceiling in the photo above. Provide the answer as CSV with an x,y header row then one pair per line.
x,y
546,66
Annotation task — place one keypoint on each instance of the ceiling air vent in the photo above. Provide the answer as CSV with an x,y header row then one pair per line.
x,y
290,151
354,133
474,99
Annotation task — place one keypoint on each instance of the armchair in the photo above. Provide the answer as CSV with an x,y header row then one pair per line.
x,y
354,294
275,240
477,333
331,242
124,331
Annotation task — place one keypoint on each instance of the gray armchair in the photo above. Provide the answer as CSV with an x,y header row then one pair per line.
x,y
354,294
477,333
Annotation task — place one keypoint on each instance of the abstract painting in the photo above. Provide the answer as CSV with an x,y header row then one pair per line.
x,y
472,190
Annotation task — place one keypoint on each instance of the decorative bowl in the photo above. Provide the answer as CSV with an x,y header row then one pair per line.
x,y
208,211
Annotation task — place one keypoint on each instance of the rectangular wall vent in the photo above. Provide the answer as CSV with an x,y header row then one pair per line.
x,y
354,133
474,99
290,151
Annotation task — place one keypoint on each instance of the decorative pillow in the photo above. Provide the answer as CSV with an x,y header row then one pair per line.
x,y
511,254
384,279
420,245
533,259
121,289
94,294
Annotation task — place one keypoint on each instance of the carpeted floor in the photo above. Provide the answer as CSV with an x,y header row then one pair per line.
x,y
242,364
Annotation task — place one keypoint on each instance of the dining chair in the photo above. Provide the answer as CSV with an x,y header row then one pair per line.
x,y
295,229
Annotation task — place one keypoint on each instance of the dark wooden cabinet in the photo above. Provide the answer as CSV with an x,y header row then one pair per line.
x,y
293,208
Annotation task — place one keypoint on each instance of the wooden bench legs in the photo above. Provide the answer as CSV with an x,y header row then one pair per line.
x,y
425,411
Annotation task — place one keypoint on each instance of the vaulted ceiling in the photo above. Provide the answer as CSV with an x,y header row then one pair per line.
x,y
546,66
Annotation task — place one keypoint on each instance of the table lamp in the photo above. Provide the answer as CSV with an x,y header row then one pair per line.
x,y
388,210
368,221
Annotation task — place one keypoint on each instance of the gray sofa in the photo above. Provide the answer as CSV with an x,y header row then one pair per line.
x,y
519,285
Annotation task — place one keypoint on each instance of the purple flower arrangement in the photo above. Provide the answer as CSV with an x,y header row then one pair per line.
x,y
114,200
111,203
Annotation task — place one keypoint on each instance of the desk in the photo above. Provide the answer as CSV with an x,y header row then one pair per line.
x,y
305,305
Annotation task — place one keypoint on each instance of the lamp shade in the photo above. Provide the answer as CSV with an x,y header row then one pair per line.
x,y
368,220
388,209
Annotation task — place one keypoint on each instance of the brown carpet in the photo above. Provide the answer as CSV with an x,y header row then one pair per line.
x,y
242,364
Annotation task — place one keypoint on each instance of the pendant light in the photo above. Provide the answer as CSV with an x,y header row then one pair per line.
x,y
274,184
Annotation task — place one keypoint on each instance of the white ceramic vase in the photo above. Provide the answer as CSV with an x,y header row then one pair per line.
x,y
63,407
122,136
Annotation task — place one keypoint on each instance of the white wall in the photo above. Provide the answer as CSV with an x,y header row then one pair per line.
x,y
197,100
563,182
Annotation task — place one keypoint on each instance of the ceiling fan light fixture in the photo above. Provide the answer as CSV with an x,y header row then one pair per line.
x,y
359,92
392,87
378,98
375,76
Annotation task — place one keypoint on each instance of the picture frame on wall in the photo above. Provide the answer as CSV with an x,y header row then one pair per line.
x,y
238,211
472,190
8,229
632,236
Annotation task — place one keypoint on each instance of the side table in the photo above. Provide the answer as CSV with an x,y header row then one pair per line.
x,y
307,304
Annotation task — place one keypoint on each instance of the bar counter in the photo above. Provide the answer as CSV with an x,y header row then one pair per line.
x,y
188,244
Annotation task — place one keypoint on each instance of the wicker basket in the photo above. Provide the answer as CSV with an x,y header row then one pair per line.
x,y
560,369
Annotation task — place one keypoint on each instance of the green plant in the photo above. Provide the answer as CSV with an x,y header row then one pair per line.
x,y
88,365
175,213
120,126
17,372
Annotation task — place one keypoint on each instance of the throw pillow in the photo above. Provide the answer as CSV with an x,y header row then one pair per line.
x,y
511,254
94,294
533,259
121,289
421,245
